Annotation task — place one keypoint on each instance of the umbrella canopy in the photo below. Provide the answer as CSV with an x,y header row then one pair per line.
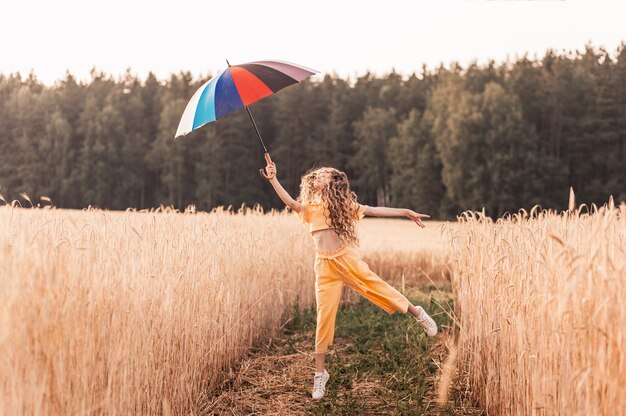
x,y
236,87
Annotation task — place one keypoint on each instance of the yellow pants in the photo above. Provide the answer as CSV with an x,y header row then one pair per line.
x,y
334,269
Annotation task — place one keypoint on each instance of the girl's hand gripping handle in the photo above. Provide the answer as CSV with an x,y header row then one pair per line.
x,y
271,168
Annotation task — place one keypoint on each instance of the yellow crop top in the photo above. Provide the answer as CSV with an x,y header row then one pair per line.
x,y
313,214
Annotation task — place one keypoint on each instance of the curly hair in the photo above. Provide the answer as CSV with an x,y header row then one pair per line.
x,y
340,203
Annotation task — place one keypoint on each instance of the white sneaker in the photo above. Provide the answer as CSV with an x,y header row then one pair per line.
x,y
319,384
426,321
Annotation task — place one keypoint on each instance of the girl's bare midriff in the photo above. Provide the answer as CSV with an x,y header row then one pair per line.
x,y
327,240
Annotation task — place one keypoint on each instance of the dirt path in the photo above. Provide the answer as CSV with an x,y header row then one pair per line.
x,y
379,365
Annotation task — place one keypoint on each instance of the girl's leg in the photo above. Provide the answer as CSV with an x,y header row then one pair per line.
x,y
328,288
413,310
376,290
373,288
320,360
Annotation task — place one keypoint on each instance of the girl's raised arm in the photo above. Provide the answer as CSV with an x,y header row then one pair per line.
x,y
282,193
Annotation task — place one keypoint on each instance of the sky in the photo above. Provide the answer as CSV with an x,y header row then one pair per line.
x,y
347,38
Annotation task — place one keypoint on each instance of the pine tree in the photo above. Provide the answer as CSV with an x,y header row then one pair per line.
x,y
371,161
416,181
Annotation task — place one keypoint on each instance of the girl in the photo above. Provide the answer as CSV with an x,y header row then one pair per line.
x,y
331,210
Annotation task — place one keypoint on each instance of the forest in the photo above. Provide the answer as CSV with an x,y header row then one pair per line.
x,y
498,136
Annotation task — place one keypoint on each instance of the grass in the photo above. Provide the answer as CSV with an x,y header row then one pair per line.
x,y
379,364
382,364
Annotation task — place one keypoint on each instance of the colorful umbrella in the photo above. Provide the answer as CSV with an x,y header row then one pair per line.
x,y
236,87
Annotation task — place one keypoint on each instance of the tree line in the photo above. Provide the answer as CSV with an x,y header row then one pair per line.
x,y
499,136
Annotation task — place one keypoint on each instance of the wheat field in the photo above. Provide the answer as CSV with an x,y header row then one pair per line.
x,y
540,306
107,312
118,313
138,313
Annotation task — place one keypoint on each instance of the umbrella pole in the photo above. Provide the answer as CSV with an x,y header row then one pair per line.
x,y
267,155
256,128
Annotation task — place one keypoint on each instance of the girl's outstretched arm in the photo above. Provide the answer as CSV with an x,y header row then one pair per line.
x,y
282,193
397,212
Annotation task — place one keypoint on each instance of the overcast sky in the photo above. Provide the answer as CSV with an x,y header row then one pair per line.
x,y
348,37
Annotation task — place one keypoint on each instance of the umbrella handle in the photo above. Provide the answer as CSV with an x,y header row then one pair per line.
x,y
268,159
